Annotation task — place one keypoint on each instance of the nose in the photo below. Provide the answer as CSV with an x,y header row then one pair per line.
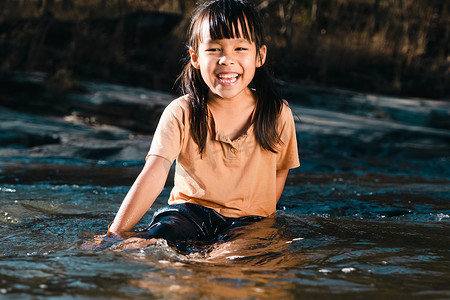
x,y
226,59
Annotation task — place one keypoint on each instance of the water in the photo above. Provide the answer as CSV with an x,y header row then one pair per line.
x,y
333,236
366,216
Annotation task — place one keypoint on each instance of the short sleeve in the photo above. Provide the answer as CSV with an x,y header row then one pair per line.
x,y
287,156
168,138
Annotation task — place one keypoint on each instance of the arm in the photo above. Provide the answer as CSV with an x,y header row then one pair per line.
x,y
280,181
142,194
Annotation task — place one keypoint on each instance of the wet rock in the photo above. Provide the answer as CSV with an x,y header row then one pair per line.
x,y
105,122
27,136
338,131
136,109
132,108
439,118
25,91
26,139
409,111
347,137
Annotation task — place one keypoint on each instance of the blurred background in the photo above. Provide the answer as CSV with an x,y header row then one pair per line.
x,y
397,47
84,82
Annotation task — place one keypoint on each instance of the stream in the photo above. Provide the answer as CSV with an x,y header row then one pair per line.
x,y
366,216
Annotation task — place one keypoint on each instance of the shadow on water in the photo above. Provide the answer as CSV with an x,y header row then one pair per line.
x,y
366,216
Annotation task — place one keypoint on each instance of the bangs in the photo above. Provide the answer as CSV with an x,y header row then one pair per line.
x,y
225,24
227,20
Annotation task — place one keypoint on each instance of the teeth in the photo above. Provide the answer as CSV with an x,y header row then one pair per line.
x,y
227,75
228,78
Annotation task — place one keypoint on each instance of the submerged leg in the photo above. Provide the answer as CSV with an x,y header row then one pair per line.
x,y
172,227
182,224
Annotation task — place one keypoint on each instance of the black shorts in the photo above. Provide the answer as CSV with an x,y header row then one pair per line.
x,y
187,222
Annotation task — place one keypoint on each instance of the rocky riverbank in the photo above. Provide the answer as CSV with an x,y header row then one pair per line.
x,y
101,132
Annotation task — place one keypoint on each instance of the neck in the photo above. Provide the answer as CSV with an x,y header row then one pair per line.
x,y
245,100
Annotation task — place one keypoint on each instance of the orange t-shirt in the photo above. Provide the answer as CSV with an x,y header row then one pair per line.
x,y
235,178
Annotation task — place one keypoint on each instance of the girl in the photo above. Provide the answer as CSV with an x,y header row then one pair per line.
x,y
233,138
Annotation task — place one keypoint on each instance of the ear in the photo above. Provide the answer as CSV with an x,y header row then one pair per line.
x,y
261,59
194,58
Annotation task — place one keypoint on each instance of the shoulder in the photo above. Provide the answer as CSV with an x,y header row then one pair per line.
x,y
178,109
285,111
176,112
179,104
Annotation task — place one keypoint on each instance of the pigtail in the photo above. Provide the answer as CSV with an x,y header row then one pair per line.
x,y
268,108
192,84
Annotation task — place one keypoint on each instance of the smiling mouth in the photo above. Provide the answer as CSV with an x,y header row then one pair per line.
x,y
228,78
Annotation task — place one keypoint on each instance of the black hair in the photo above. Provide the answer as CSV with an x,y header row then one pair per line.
x,y
224,18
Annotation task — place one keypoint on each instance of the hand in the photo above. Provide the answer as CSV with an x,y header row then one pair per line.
x,y
101,242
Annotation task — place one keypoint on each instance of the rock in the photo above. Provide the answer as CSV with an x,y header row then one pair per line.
x,y
410,111
65,140
111,125
135,109
105,124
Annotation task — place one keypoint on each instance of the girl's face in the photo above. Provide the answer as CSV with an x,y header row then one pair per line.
x,y
227,65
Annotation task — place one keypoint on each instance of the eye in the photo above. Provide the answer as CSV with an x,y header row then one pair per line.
x,y
241,49
212,50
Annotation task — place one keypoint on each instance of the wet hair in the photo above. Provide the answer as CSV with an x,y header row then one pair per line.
x,y
226,17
